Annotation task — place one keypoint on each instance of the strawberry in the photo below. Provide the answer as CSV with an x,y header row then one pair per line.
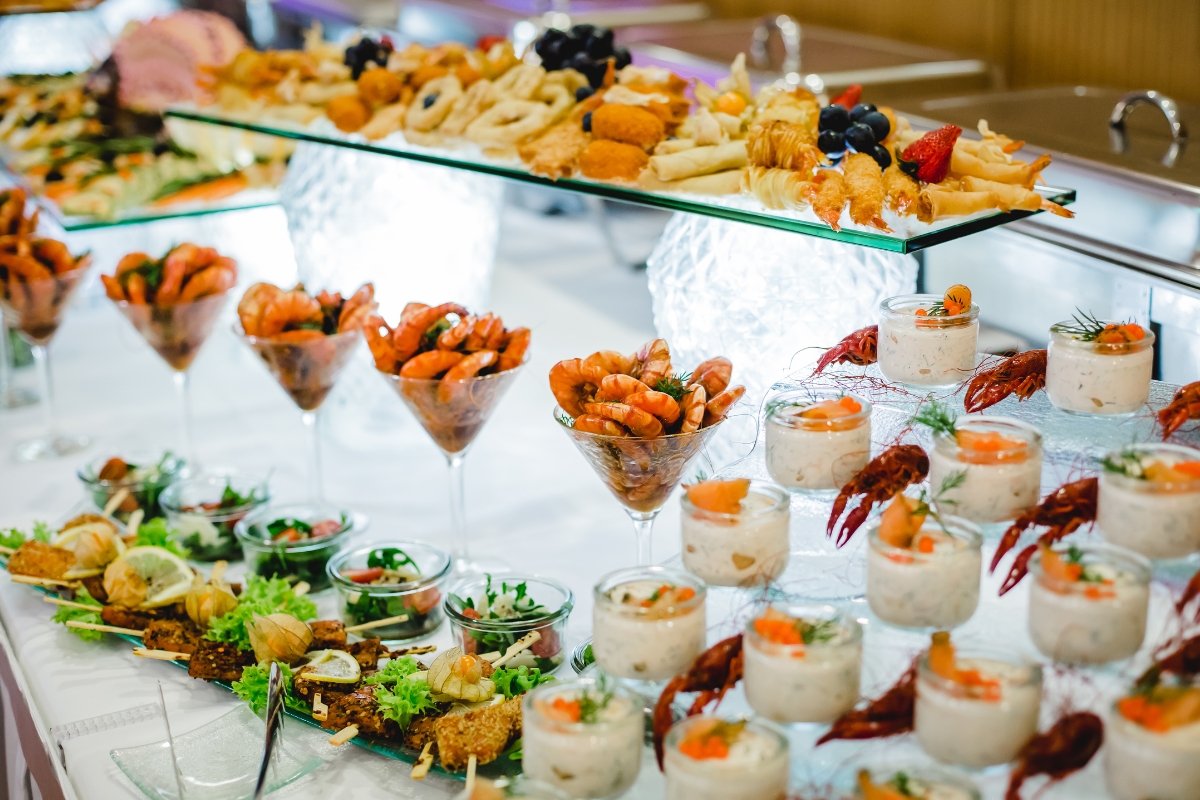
x,y
931,153
849,98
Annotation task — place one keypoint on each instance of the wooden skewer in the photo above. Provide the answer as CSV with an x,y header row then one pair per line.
x,y
115,501
517,647
400,652
134,521
472,765
344,735
91,626
301,589
160,655
8,551
421,766
218,571
379,623
320,710
58,601
32,581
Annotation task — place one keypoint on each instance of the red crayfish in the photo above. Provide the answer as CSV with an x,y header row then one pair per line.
x,y
1190,593
1185,405
1184,661
884,476
889,715
860,348
714,672
1068,746
1022,375
1062,512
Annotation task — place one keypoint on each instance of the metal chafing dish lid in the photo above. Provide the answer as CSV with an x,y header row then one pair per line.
x,y
1074,122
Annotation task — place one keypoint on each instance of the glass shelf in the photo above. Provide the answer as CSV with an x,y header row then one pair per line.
x,y
249,198
734,207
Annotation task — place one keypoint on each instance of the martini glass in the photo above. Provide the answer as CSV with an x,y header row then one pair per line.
x,y
307,369
641,473
453,422
35,309
177,333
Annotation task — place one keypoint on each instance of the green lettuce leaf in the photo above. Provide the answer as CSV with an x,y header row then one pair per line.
x,y
253,688
518,680
403,700
155,533
66,613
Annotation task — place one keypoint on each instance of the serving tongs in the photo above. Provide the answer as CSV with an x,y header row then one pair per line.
x,y
274,718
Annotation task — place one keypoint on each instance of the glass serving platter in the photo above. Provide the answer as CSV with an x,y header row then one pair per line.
x,y
916,236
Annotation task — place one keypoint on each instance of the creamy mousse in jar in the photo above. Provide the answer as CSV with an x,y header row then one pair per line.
x,y
923,572
707,758
975,709
1152,745
584,736
987,469
817,440
802,664
921,783
1088,603
1099,368
735,532
926,341
648,623
1150,500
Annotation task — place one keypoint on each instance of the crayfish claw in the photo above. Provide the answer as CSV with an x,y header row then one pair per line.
x,y
1019,568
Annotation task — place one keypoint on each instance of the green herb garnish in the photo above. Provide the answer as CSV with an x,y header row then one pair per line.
x,y
819,633
1126,462
674,385
937,417
391,558
1085,328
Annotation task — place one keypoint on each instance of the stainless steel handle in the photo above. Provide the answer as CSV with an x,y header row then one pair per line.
x,y
789,31
1170,110
274,717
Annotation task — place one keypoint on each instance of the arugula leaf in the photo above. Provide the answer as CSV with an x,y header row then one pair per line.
x,y
155,533
386,557
65,613
515,681
253,688
259,596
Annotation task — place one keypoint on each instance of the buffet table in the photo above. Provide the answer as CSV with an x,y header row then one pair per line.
x,y
530,499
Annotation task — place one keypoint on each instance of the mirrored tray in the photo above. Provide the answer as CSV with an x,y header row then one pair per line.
x,y
734,207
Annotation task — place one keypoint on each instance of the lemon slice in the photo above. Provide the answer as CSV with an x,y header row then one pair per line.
x,y
168,576
332,666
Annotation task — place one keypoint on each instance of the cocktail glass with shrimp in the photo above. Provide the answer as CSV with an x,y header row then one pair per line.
x,y
37,278
451,369
639,423
174,302
13,223
304,341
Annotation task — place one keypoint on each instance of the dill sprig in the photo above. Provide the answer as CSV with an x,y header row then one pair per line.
x,y
674,385
929,505
818,632
937,309
1126,462
937,417
1086,327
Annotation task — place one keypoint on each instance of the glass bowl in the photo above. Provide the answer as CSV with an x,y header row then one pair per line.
x,y
149,474
203,512
279,541
478,635
420,598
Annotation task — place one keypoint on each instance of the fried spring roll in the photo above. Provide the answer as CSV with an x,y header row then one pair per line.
x,y
699,161
1015,197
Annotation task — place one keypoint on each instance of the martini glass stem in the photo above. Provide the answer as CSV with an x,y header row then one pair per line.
x,y
11,395
643,529
187,443
458,510
41,355
316,482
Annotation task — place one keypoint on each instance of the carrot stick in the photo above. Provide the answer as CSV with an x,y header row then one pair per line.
x,y
218,189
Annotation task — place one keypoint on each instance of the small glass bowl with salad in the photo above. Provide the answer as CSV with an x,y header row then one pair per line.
x,y
203,512
489,614
389,580
143,476
295,542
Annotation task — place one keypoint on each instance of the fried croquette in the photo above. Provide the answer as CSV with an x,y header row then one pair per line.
x,y
607,160
628,124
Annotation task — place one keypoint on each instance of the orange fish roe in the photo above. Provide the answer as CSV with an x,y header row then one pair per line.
x,y
990,447
832,409
719,497
667,595
1121,334
563,710
777,627
943,662
1172,473
711,741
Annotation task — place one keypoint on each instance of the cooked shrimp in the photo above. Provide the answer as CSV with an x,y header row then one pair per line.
x,y
412,308
692,409
611,362
23,267
54,252
713,375
601,426
407,336
131,262
465,369
430,364
252,305
329,300
513,354
716,409
901,190
574,384
201,258
655,358
301,335
827,195
113,288
659,404
136,287
380,344
864,183
497,336
640,423
453,338
357,308
174,267
481,332
292,308
618,387
208,281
